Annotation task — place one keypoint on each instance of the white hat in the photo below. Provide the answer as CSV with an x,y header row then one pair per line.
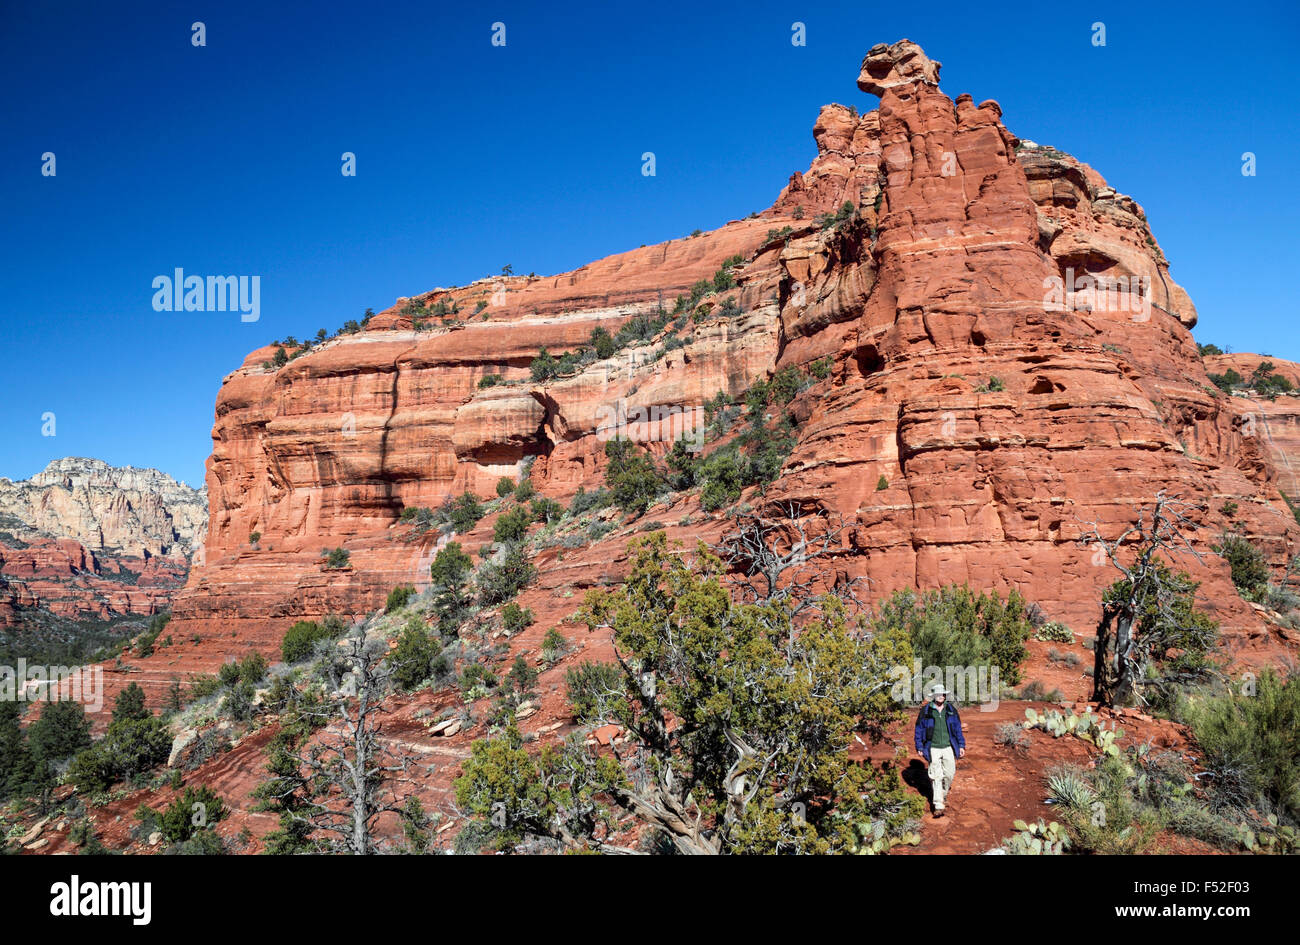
x,y
938,690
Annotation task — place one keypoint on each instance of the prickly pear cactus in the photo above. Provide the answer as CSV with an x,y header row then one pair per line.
x,y
1039,839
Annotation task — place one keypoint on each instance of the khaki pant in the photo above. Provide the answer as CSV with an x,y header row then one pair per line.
x,y
943,766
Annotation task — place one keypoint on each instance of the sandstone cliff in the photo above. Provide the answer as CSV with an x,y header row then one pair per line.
x,y
85,540
1271,422
106,508
1010,355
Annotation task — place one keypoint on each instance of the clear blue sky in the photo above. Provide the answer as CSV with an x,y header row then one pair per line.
x,y
226,160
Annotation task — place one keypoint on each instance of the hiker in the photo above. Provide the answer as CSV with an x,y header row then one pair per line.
x,y
940,744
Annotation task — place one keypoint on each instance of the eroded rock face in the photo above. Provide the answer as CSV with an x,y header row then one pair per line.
x,y
117,509
889,66
84,540
1007,414
326,451
1269,428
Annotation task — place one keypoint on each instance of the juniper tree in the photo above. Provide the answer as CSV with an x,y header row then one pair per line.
x,y
1149,612
738,723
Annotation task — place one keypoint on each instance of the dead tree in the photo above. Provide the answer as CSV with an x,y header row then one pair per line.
x,y
346,785
1145,586
781,554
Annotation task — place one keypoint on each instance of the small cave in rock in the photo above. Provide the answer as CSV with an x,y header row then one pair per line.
x,y
869,360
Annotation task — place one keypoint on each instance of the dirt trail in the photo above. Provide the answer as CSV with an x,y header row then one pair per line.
x,y
994,786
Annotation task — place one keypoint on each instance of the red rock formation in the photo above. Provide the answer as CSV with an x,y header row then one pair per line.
x,y
1272,424
84,540
1098,406
113,509
63,578
1006,401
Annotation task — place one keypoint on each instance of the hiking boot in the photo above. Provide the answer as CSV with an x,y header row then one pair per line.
x,y
938,813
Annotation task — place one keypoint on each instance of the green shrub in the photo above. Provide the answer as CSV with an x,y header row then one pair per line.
x,y
203,686
419,516
505,486
130,747
639,328
584,501
785,385
1113,822
513,525
525,491
490,380
683,465
129,705
723,476
238,703
595,691
451,565
61,731
882,484
499,583
1227,380
553,645
521,677
398,597
193,811
228,674
766,450
828,220
602,343
546,510
1249,742
630,476
144,644
954,626
474,674
516,618
301,640
1249,569
416,657
253,668
1264,381
336,558
544,366
462,512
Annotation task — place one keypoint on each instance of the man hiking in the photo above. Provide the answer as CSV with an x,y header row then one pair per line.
x,y
940,742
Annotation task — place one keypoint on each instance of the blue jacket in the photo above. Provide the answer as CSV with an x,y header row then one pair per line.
x,y
925,729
